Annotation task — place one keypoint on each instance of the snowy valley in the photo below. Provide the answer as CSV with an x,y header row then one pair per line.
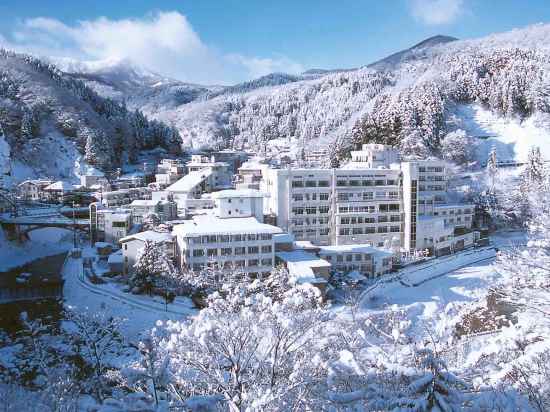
x,y
357,239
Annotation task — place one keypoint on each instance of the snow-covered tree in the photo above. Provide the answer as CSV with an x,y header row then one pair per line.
x,y
98,338
492,167
457,147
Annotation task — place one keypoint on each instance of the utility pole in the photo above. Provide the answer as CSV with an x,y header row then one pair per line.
x,y
74,226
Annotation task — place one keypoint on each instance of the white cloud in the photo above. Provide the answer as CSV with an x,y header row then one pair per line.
x,y
164,42
435,12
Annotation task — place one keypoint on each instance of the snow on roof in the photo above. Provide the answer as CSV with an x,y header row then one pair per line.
x,y
359,248
102,244
231,193
144,202
302,257
191,180
284,238
300,265
60,185
115,257
152,235
208,224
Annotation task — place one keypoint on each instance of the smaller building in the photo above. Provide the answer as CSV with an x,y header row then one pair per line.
x,y
220,176
131,245
168,172
123,197
109,225
240,203
56,191
304,267
364,259
33,190
165,210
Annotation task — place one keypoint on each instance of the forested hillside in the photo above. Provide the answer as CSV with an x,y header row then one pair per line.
x,y
44,112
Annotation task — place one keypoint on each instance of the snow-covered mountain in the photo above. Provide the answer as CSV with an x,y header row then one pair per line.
x,y
413,100
54,124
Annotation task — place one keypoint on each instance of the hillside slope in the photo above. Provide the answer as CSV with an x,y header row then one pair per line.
x,y
50,121
414,105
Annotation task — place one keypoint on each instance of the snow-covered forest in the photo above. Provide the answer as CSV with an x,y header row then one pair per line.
x,y
39,103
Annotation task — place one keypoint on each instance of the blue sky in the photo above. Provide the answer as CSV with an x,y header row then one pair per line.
x,y
226,41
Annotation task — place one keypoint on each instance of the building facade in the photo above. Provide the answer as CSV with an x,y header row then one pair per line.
x,y
375,200
109,225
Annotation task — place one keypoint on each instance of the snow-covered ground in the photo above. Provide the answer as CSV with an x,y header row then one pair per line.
x,y
511,137
140,313
42,243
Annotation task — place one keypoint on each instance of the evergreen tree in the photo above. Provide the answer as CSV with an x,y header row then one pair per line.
x,y
434,388
149,264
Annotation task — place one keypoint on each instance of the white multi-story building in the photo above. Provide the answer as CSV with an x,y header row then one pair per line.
x,y
123,197
33,189
220,175
109,225
132,244
374,200
165,210
169,171
232,238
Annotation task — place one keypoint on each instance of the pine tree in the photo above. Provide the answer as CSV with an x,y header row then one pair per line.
x,y
434,388
535,173
149,264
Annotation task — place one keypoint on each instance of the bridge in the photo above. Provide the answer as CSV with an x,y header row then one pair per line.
x,y
18,227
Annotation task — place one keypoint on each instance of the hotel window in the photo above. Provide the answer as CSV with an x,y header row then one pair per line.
x,y
223,238
297,197
323,196
341,183
297,183
252,236
358,257
323,209
368,196
252,250
380,183
357,231
343,196
226,251
322,183
354,182
240,250
394,207
368,183
267,262
349,258
344,220
212,252
382,229
311,183
344,231
323,232
298,210
395,229
198,252
369,230
212,238
311,210
236,238
252,262
266,249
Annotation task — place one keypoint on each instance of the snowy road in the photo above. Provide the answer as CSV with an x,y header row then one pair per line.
x,y
83,296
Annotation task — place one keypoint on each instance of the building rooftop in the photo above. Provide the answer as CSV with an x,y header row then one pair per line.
x,y
188,182
300,265
231,193
151,235
283,238
60,185
147,202
359,248
208,224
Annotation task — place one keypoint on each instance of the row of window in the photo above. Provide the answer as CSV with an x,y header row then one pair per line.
x,y
383,208
355,183
229,238
235,264
452,212
347,231
360,220
436,169
310,183
357,257
431,188
343,196
310,221
228,251
300,197
310,210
